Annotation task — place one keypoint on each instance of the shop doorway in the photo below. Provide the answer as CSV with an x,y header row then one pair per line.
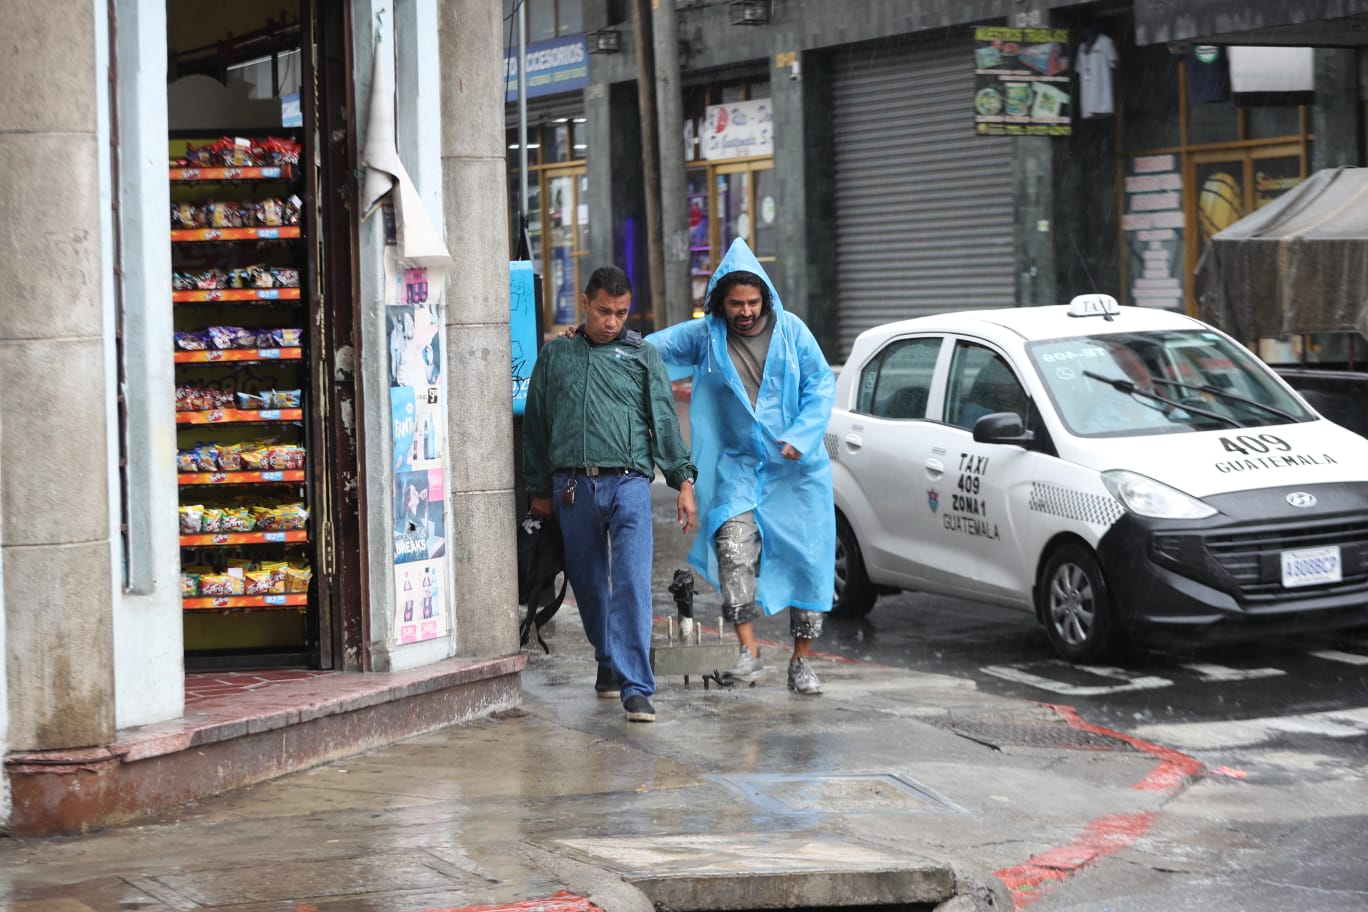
x,y
729,201
263,259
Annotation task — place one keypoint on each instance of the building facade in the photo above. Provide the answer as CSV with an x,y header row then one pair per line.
x,y
864,158
247,424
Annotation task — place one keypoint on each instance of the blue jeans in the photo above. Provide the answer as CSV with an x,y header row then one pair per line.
x,y
609,548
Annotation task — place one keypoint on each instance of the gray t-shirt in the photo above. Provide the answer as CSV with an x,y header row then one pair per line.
x,y
748,356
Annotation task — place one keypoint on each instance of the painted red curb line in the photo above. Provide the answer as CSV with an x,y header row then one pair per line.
x,y
1105,835
564,901
1173,770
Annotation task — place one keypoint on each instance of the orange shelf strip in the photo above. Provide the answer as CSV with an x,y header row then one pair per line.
x,y
263,172
235,234
209,603
239,416
215,355
223,478
236,294
243,538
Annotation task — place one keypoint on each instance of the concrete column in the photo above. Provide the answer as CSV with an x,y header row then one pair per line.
x,y
55,534
1033,169
479,350
1337,115
617,217
800,91
674,211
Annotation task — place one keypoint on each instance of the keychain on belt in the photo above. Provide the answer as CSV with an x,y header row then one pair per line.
x,y
568,495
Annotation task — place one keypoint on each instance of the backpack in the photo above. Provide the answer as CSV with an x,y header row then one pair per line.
x,y
541,557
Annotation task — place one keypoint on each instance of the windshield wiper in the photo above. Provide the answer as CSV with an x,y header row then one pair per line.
x,y
1126,386
1225,394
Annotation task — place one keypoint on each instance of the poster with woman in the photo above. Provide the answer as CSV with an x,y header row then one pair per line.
x,y
419,515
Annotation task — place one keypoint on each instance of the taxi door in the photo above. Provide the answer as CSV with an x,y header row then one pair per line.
x,y
966,518
882,445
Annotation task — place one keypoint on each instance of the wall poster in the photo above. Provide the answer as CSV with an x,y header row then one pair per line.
x,y
413,319
1021,82
1153,223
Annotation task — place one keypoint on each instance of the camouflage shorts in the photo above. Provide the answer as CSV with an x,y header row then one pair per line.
x,y
738,561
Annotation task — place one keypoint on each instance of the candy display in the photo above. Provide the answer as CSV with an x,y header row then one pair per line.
x,y
200,398
258,276
264,213
245,493
237,337
279,338
269,399
241,152
239,457
241,577
197,519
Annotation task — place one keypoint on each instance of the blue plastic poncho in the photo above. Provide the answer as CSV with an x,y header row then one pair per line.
x,y
737,448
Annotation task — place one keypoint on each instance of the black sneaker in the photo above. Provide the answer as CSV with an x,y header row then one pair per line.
x,y
606,685
639,709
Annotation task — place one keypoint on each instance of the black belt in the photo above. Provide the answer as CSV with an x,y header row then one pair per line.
x,y
593,471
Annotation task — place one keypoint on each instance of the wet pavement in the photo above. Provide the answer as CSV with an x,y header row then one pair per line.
x,y
891,788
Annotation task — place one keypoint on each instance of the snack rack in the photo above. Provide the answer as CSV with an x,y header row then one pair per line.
x,y
241,399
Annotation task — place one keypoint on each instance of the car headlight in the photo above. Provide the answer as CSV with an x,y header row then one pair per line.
x,y
1148,497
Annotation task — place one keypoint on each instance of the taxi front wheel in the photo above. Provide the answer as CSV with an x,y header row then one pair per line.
x,y
855,595
1076,606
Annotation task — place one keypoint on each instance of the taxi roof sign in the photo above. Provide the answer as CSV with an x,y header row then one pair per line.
x,y
1094,305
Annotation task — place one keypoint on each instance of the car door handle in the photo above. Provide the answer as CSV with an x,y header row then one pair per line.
x,y
854,441
934,468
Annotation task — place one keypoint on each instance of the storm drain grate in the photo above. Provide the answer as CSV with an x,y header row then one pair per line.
x,y
999,733
841,793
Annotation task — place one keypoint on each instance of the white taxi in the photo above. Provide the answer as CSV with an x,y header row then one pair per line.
x,y
1130,475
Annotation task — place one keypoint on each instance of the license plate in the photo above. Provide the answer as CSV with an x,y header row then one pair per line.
x,y
1311,566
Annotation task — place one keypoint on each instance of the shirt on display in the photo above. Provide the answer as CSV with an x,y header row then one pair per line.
x,y
1096,60
1208,74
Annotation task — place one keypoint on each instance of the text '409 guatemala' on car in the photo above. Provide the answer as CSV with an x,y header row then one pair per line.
x,y
1131,475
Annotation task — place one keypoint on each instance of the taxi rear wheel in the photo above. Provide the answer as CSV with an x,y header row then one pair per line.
x,y
1076,606
855,595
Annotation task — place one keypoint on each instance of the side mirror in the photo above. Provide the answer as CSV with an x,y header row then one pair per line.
x,y
1002,427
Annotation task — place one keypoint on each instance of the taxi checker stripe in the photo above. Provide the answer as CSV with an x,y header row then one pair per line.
x,y
1095,509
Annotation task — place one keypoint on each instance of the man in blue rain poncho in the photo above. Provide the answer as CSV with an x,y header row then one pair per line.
x,y
762,396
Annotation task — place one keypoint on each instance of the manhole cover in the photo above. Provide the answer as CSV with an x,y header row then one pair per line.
x,y
840,793
997,732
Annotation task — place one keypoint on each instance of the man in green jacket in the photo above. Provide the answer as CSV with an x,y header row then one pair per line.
x,y
599,418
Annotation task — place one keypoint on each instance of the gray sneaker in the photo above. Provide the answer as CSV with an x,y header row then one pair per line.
x,y
746,669
802,679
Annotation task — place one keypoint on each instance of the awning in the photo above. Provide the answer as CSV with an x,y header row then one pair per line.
x,y
1298,265
1293,23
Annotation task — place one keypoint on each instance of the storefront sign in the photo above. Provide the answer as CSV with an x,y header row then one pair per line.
x,y
1021,82
741,129
1154,224
560,65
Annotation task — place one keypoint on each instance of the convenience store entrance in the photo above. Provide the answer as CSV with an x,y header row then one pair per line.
x,y
263,254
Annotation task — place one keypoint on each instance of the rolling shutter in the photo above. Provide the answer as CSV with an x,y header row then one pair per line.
x,y
924,210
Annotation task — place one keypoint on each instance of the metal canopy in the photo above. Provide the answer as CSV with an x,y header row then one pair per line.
x,y
1292,23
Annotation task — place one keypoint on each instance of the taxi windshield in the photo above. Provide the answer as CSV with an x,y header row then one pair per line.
x,y
1123,384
